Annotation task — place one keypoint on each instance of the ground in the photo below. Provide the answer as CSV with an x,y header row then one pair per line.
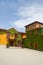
x,y
20,56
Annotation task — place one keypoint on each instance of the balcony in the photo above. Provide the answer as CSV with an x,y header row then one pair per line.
x,y
11,36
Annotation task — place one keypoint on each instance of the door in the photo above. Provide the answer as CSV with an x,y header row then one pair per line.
x,y
11,43
35,46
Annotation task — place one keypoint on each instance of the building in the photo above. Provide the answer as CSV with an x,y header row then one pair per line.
x,y
3,39
23,35
35,35
11,37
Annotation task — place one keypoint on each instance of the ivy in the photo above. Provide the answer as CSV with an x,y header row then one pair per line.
x,y
34,38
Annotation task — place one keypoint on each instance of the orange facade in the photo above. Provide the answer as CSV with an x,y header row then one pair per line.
x,y
3,39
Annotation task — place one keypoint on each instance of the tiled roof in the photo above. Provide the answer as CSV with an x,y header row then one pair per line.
x,y
33,23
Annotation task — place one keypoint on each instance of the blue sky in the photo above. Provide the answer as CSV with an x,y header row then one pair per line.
x,y
18,13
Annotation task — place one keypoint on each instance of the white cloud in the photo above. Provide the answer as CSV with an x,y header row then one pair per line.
x,y
29,14
30,11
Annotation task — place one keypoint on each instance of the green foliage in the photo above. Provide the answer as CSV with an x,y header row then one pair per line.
x,y
25,43
42,30
2,32
31,39
19,37
16,42
40,45
12,31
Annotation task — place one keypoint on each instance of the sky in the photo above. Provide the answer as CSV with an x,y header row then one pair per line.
x,y
19,13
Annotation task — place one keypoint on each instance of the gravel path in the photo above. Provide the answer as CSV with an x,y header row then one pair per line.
x,y
19,56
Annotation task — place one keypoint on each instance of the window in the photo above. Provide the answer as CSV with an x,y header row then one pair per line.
x,y
30,33
35,32
15,35
8,35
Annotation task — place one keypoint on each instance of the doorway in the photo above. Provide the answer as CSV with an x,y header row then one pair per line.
x,y
11,42
35,45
